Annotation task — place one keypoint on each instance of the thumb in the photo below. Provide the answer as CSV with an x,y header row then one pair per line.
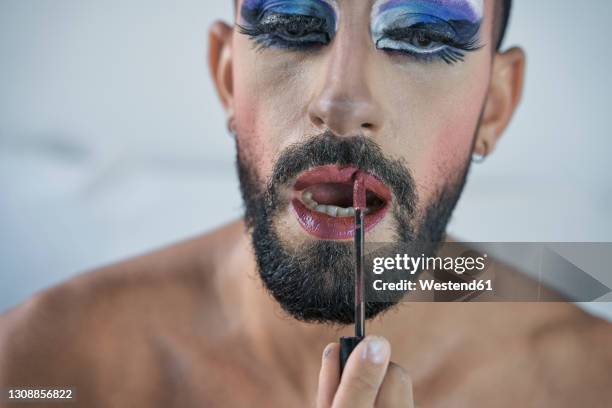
x,y
364,373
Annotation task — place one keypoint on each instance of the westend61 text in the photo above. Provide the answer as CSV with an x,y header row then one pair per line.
x,y
432,285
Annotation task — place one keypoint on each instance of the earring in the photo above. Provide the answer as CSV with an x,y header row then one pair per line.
x,y
479,159
231,126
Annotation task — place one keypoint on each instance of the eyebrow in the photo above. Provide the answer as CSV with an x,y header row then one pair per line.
x,y
251,10
255,3
468,10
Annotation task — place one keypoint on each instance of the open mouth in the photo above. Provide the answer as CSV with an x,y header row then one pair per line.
x,y
323,201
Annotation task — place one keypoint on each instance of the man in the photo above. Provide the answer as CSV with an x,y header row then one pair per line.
x,y
399,93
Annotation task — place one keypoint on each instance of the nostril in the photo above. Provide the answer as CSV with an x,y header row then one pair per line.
x,y
367,125
317,121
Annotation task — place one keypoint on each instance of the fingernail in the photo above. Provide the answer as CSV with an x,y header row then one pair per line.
x,y
327,350
377,350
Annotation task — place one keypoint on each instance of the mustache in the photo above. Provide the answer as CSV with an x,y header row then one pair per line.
x,y
359,151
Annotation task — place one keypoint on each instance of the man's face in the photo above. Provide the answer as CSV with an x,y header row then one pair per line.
x,y
324,89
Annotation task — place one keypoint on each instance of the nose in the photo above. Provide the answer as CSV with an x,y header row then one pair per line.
x,y
344,103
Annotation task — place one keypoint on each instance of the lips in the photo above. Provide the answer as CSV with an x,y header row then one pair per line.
x,y
323,201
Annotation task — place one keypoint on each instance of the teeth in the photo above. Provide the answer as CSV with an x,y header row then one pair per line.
x,y
321,208
307,199
330,210
343,212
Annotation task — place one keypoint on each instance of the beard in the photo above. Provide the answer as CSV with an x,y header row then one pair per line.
x,y
315,282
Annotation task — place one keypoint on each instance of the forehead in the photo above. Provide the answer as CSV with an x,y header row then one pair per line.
x,y
471,10
471,6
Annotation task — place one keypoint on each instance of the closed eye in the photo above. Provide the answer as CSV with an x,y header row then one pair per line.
x,y
421,41
292,31
427,37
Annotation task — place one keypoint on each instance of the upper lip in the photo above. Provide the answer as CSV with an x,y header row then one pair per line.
x,y
341,175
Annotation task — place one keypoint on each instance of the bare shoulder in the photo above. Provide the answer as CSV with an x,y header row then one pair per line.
x,y
581,345
103,326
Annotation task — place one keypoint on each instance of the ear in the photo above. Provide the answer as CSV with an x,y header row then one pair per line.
x,y
220,63
505,90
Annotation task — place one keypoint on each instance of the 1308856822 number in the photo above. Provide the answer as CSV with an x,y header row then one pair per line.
x,y
34,394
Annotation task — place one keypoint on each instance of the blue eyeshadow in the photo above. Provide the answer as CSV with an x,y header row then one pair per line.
x,y
288,24
443,9
253,10
427,28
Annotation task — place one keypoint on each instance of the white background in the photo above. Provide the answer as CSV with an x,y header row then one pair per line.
x,y
112,141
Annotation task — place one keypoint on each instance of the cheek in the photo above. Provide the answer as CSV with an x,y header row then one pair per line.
x,y
268,121
456,100
250,127
435,130
450,141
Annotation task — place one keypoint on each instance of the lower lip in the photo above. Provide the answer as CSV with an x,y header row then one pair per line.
x,y
326,227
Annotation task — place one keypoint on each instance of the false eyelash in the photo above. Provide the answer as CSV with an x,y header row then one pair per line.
x,y
403,33
265,34
264,39
453,52
255,33
451,56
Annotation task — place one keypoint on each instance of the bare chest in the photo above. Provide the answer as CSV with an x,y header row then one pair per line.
x,y
222,377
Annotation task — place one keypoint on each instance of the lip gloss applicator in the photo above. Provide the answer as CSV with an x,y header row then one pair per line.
x,y
348,344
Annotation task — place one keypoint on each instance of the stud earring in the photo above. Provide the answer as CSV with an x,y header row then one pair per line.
x,y
479,159
231,127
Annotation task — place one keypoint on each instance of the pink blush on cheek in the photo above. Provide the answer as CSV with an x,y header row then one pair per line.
x,y
453,138
251,126
446,156
452,143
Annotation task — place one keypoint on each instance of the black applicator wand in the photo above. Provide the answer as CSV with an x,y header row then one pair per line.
x,y
348,344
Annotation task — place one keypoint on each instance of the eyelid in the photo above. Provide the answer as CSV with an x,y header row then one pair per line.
x,y
404,46
323,9
443,36
394,19
273,34
463,36
467,10
258,23
459,33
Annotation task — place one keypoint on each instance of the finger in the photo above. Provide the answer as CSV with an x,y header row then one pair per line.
x,y
396,389
329,376
363,374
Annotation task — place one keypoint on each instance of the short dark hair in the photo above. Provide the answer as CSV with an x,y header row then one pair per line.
x,y
502,24
503,14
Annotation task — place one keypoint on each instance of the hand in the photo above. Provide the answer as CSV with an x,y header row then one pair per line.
x,y
369,379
